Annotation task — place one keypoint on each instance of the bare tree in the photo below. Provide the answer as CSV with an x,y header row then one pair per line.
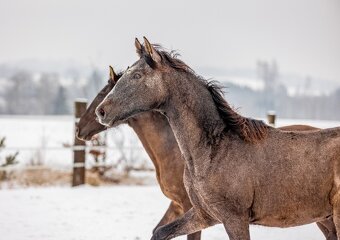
x,y
93,85
47,91
60,104
20,97
268,72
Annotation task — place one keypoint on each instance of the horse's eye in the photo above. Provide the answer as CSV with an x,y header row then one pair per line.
x,y
137,76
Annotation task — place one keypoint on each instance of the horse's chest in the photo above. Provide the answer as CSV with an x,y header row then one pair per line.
x,y
192,189
202,195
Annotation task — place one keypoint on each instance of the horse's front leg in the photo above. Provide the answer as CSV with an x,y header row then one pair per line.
x,y
191,222
173,212
194,236
237,227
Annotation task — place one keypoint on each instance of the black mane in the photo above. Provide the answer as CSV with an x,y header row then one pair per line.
x,y
248,129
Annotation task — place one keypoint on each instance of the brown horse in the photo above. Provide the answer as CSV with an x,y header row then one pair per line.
x,y
153,127
238,171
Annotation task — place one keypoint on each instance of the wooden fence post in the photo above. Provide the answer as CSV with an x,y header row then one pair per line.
x,y
78,177
271,117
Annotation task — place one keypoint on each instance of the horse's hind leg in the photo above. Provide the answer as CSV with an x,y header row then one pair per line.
x,y
173,212
336,214
328,228
323,229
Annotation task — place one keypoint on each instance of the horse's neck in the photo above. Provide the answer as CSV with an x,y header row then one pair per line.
x,y
155,133
195,122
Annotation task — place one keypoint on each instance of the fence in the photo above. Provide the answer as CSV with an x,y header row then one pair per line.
x,y
79,157
79,148
75,150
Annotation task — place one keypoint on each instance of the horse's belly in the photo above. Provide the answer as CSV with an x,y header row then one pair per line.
x,y
284,221
300,197
292,213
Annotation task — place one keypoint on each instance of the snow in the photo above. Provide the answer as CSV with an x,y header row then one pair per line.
x,y
315,123
84,213
117,212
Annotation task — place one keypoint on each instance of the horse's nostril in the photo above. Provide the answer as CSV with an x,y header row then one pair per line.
x,y
77,130
101,112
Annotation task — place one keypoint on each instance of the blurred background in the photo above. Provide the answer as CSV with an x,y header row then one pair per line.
x,y
277,56
281,55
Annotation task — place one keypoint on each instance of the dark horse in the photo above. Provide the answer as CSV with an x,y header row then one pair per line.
x,y
156,135
238,171
154,131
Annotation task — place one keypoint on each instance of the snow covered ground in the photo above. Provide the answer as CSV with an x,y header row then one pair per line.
x,y
102,213
88,213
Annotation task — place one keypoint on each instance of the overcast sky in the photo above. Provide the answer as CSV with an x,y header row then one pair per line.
x,y
302,35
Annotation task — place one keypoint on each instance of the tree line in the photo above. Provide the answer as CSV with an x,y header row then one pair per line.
x,y
45,94
274,96
24,92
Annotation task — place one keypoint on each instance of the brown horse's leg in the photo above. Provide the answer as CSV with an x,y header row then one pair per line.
x,y
191,222
173,212
336,214
329,223
323,228
328,228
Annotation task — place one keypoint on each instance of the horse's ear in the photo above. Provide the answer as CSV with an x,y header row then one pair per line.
x,y
139,47
151,51
113,75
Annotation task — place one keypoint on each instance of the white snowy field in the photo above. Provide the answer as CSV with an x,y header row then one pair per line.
x,y
84,213
102,213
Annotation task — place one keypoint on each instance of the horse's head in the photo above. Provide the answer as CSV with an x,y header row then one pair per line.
x,y
140,89
88,126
